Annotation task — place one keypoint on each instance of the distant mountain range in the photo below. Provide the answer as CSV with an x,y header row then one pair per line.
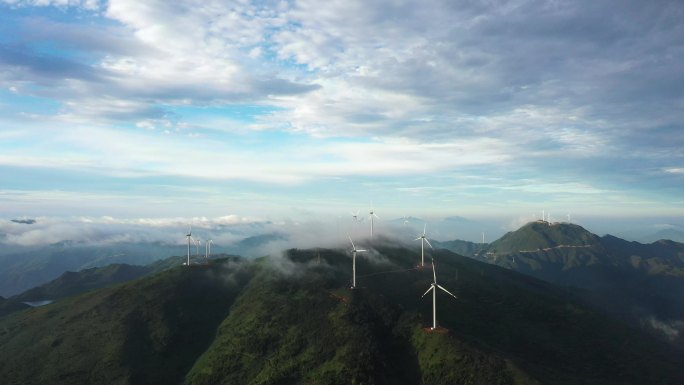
x,y
640,282
22,270
294,320
582,301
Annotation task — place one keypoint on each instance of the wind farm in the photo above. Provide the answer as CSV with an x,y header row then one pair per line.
x,y
303,144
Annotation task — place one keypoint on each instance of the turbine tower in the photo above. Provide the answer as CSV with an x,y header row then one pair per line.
x,y
423,239
354,250
207,249
189,235
434,286
372,214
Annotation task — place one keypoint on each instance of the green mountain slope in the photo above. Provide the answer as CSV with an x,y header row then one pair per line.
x,y
541,235
8,306
23,270
72,283
469,249
291,320
642,283
145,331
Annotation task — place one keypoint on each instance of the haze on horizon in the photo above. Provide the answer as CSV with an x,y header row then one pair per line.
x,y
310,110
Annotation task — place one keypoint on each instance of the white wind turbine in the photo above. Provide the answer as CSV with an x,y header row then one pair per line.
x,y
197,245
189,235
423,239
434,287
356,216
354,250
207,249
372,214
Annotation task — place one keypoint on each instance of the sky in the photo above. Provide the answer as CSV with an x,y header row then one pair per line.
x,y
307,110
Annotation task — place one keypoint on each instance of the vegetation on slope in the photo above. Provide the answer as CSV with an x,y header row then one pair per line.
x,y
72,283
9,306
23,270
293,320
641,283
146,331
541,235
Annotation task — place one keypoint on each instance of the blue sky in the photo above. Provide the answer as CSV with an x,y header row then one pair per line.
x,y
290,109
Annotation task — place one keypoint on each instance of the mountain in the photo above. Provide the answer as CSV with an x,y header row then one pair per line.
x,y
467,248
293,320
643,283
253,244
25,269
562,252
72,283
9,306
655,232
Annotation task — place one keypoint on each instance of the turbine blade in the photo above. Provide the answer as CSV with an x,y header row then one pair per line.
x,y
352,242
428,290
358,251
417,239
447,291
424,228
434,274
428,242
376,215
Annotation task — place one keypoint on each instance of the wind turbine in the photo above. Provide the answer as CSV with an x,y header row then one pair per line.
x,y
354,250
356,216
189,235
434,287
423,239
372,214
207,249
197,245
568,217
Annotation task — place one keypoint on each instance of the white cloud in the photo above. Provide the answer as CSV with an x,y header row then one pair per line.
x,y
86,4
366,89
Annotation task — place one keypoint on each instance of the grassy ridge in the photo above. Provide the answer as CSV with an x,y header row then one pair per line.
x,y
291,320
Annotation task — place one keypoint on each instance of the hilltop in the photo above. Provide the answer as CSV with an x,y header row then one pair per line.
x,y
641,283
292,320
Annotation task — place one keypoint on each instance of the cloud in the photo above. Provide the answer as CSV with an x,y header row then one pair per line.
x,y
86,4
586,96
670,329
224,230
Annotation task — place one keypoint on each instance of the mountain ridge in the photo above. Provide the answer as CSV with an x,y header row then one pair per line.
x,y
278,320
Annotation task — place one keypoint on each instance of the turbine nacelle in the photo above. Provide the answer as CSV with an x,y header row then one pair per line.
x,y
423,239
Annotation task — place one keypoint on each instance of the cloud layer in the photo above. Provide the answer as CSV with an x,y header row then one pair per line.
x,y
527,100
